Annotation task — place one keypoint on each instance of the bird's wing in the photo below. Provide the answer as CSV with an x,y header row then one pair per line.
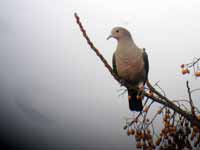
x,y
146,63
114,64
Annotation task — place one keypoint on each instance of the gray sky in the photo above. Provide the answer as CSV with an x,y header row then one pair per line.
x,y
56,91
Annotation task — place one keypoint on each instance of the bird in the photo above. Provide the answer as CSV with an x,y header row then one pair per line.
x,y
131,64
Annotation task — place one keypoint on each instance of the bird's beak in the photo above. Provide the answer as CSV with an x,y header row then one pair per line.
x,y
110,36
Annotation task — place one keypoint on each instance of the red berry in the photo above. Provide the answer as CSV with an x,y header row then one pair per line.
x,y
182,65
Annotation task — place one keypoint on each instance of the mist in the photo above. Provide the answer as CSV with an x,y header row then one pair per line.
x,y
54,91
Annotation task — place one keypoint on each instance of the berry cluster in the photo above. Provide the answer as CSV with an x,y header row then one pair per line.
x,y
176,133
185,68
143,138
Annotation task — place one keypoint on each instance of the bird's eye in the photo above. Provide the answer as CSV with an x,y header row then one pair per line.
x,y
117,31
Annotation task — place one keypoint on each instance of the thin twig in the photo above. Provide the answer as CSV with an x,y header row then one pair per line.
x,y
190,98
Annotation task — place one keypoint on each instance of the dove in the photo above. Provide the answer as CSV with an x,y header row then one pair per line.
x,y
131,64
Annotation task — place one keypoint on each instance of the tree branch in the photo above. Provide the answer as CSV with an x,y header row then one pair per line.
x,y
157,96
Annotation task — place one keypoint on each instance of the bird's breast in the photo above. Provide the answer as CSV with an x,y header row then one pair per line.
x,y
130,67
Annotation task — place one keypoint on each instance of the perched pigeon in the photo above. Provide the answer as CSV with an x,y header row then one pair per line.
x,y
131,64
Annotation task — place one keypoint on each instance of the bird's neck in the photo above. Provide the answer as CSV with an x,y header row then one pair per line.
x,y
126,45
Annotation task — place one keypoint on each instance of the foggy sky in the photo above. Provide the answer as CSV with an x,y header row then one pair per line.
x,y
55,92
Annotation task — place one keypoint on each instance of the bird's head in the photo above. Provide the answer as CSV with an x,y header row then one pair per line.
x,y
119,33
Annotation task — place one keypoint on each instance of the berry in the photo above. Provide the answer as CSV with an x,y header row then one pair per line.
x,y
182,65
197,74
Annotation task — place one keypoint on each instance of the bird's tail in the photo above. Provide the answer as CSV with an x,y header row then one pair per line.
x,y
135,104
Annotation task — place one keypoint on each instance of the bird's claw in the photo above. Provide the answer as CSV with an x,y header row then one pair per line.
x,y
141,89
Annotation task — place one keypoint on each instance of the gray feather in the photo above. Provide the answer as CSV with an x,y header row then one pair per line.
x,y
146,63
114,64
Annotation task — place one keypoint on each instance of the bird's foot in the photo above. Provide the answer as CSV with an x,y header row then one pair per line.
x,y
141,88
140,94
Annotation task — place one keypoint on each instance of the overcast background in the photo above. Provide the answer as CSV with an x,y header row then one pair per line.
x,y
54,91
